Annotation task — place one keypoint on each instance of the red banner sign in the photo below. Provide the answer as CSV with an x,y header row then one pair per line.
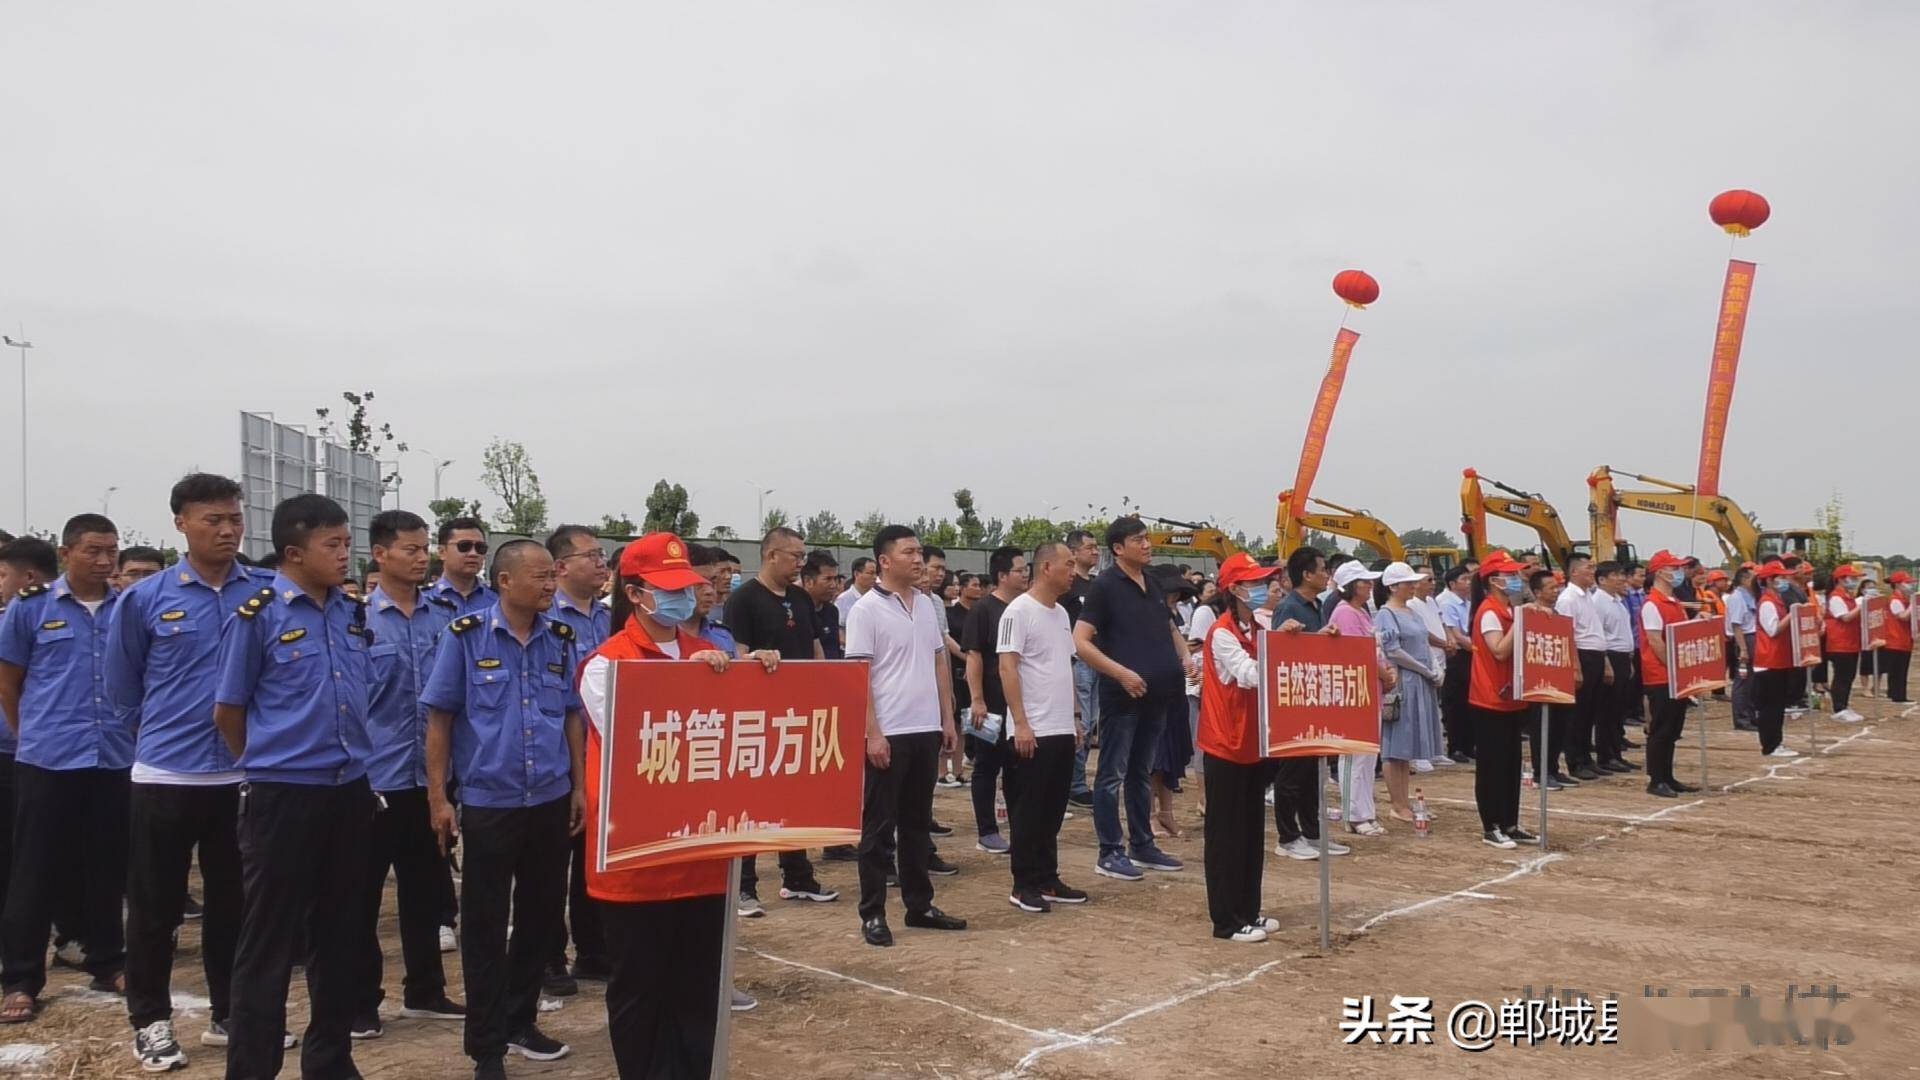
x,y
1726,364
1696,657
1544,663
1875,613
1806,635
1322,418
698,765
1318,695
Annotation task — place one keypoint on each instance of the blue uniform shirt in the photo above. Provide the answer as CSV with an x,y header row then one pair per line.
x,y
509,704
480,599
160,664
591,624
404,645
66,721
301,670
717,634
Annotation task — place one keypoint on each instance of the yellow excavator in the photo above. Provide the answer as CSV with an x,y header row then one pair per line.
x,y
1290,531
1525,507
1739,538
1182,536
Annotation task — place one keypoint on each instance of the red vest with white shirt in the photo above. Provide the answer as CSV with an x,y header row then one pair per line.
x,y
1842,636
1653,662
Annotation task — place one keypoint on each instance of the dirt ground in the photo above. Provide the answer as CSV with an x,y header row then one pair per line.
x,y
1785,874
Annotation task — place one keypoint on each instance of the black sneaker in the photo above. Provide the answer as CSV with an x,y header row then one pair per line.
x,y
156,1049
191,909
534,1045
441,1008
1084,799
1519,835
1059,892
937,829
840,853
810,889
1028,900
940,867
366,1025
557,981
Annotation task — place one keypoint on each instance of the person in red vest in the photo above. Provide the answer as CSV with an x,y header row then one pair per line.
x,y
1667,714
665,925
1842,613
1237,770
1497,715
1772,655
1898,655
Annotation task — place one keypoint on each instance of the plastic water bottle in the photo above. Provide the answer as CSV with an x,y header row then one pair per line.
x,y
999,807
1421,825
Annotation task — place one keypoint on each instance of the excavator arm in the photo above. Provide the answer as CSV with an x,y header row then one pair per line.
x,y
1523,507
1358,524
1735,531
1191,536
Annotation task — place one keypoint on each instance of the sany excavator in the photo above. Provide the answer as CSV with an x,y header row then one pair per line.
x,y
1525,507
1738,537
1190,536
1358,524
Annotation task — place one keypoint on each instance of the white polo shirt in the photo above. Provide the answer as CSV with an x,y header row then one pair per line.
x,y
1578,604
903,648
1616,626
1042,637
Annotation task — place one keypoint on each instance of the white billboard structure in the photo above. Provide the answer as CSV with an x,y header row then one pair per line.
x,y
279,461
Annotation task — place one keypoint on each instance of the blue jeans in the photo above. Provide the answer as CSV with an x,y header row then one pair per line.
x,y
1129,729
1084,689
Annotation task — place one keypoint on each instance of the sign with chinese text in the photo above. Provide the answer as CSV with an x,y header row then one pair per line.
x,y
1806,635
1544,663
1727,336
1696,656
1875,612
1318,695
703,765
1322,417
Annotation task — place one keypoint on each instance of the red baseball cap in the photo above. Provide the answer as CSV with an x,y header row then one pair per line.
x,y
1773,568
1240,567
1845,570
1499,562
1716,575
1663,559
660,560
1899,577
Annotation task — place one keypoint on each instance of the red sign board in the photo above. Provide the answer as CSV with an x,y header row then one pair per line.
x,y
1875,612
1806,635
1544,663
701,765
1696,657
1319,695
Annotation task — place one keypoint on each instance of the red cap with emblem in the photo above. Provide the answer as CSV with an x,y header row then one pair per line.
x,y
660,560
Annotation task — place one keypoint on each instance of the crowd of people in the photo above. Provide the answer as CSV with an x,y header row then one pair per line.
x,y
310,735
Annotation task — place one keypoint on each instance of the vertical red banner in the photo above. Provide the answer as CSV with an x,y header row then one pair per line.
x,y
1806,635
1322,418
1543,665
1726,364
1875,613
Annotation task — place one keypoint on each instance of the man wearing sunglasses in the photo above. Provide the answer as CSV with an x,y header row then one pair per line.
x,y
463,550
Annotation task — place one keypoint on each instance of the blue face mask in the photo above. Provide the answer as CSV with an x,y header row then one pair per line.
x,y
1782,584
1257,594
1676,578
736,579
672,608
1512,585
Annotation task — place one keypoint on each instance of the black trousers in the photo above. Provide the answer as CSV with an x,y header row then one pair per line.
x,y
1770,689
1669,719
1895,663
58,813
1455,717
663,1000
989,760
1635,700
1797,688
1845,666
301,865
1557,716
1236,841
899,799
1296,789
795,869
168,822
6,826
1587,699
516,863
583,912
1037,789
1496,766
1610,708
402,840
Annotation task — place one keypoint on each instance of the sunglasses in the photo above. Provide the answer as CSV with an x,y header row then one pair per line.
x,y
468,547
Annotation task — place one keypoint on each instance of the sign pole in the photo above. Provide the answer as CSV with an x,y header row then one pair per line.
x,y
1813,733
1320,801
1704,784
1540,771
723,1024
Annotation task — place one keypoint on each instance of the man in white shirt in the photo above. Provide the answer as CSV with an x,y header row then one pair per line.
x,y
1035,655
1455,616
1741,616
1576,602
1608,601
899,632
864,571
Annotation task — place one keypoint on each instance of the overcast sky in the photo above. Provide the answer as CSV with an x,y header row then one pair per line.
x,y
1058,253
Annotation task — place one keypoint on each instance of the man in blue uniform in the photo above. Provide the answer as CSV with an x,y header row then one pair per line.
x,y
580,570
186,785
70,769
291,702
24,562
406,634
463,551
504,713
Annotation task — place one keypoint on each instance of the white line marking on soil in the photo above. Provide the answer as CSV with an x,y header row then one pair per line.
x,y
1531,866
22,1055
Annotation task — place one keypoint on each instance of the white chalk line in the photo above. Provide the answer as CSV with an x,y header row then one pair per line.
x,y
1474,891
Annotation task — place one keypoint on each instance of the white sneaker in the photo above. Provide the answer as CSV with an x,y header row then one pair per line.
x,y
1440,762
1422,765
1298,848
1496,838
1848,716
156,1049
1334,847
448,943
1249,934
1781,751
1269,796
1268,923
71,954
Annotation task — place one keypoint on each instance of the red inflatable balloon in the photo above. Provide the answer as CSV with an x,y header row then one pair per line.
x,y
1739,211
1356,287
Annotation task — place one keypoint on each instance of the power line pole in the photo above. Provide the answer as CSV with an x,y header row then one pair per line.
x,y
23,345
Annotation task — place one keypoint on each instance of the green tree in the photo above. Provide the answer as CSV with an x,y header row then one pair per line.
x,y
621,525
1419,538
723,532
776,519
824,528
360,434
1314,538
1027,533
968,525
668,511
1366,552
508,472
445,510
942,533
869,527
1827,549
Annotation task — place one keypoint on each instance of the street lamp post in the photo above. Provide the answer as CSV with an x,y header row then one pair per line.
x,y
761,504
23,345
106,500
439,466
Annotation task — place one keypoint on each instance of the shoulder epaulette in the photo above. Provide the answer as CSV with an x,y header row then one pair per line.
x,y
34,590
464,623
441,598
254,603
561,630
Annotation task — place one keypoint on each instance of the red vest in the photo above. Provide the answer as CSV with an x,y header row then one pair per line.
x,y
1653,665
1491,683
675,882
1229,712
1773,652
1842,637
1900,627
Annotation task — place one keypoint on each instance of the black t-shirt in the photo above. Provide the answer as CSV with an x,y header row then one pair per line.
x,y
826,628
982,635
761,620
1076,596
1132,625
